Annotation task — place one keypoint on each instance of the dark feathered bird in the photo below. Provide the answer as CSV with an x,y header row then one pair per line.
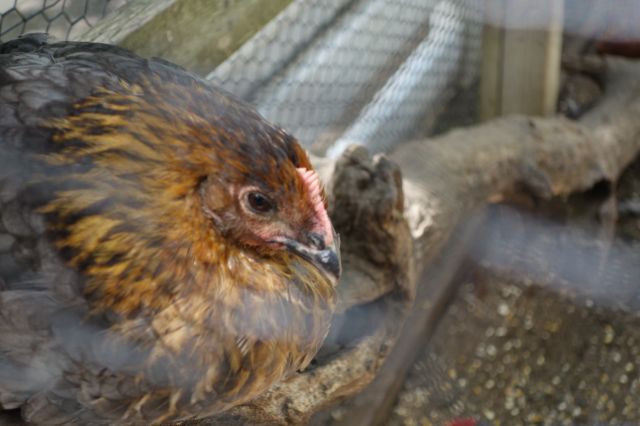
x,y
165,253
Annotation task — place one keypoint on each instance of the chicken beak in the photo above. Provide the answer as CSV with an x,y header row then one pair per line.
x,y
315,250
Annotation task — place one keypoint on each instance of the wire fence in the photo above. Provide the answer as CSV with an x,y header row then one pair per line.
x,y
373,72
62,19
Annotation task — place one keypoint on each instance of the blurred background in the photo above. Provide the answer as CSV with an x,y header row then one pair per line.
x,y
335,72
328,71
544,324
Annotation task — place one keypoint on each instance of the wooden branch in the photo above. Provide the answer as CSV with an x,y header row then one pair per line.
x,y
546,156
445,178
449,176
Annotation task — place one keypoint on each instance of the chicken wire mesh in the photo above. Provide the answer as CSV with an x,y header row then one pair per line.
x,y
62,19
374,72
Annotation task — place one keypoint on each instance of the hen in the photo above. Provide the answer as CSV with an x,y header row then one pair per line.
x,y
165,253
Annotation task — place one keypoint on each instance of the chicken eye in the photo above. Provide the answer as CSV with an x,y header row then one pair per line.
x,y
259,203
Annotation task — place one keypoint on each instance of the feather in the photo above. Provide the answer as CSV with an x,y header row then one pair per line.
x,y
138,283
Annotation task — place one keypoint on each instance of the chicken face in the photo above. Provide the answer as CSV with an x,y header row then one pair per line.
x,y
268,219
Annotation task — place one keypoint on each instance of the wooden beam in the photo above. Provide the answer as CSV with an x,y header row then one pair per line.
x,y
134,15
521,61
492,47
197,34
373,406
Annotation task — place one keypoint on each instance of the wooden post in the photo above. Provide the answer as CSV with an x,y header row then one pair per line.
x,y
197,34
521,60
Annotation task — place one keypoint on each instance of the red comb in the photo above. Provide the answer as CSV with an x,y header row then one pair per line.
x,y
312,183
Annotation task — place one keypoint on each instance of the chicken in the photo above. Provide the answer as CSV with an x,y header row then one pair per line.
x,y
165,253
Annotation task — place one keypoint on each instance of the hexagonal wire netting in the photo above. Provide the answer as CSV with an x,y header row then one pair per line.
x,y
375,72
63,19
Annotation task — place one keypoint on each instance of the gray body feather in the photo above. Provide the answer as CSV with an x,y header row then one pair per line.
x,y
44,333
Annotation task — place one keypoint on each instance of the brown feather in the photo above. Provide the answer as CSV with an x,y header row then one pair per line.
x,y
198,318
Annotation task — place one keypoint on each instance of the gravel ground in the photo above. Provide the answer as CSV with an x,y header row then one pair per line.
x,y
513,352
